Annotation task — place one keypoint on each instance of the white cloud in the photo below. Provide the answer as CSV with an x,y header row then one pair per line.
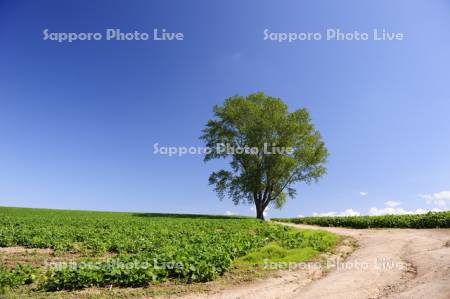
x,y
392,204
392,208
350,212
347,212
421,211
398,211
229,213
440,199
443,195
387,211
325,214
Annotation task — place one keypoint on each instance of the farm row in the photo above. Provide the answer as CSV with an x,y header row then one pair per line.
x,y
429,220
137,250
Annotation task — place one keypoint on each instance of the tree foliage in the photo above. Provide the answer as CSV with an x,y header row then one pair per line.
x,y
265,177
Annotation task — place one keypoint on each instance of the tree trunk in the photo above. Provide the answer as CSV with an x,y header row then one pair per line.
x,y
259,211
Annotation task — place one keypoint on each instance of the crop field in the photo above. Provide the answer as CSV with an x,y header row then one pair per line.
x,y
73,250
429,220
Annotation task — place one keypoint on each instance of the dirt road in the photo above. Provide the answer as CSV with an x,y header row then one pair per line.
x,y
389,263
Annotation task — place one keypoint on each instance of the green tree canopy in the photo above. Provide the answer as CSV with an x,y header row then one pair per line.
x,y
270,149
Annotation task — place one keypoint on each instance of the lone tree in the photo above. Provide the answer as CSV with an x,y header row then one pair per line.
x,y
270,149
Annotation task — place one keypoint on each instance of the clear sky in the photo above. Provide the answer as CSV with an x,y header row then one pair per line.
x,y
78,120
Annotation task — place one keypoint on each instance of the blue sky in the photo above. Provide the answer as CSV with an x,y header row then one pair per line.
x,y
78,120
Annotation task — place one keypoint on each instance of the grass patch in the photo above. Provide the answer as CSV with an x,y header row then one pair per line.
x,y
273,252
308,244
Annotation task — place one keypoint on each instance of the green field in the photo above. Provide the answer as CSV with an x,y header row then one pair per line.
x,y
80,249
429,220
